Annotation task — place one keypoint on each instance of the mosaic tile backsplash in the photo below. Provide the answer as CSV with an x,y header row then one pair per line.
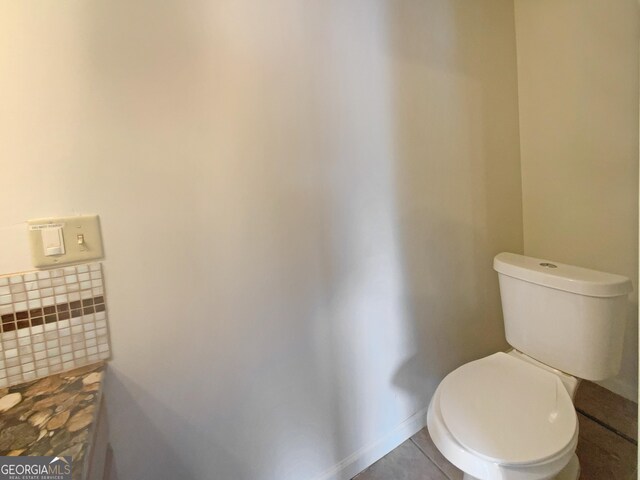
x,y
51,321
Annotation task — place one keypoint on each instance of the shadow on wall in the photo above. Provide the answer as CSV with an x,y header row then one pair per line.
x,y
358,161
147,437
457,176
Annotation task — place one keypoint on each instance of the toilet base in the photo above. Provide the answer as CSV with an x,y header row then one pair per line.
x,y
570,472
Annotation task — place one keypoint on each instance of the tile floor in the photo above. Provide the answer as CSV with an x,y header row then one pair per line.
x,y
607,447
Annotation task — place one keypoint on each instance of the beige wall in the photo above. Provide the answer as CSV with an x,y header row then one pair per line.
x,y
300,203
578,98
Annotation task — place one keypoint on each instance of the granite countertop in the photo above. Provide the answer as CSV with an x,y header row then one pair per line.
x,y
53,416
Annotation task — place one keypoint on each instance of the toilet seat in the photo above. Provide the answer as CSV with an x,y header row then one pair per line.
x,y
502,417
507,410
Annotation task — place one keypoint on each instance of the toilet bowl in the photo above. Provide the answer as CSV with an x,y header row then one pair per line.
x,y
502,417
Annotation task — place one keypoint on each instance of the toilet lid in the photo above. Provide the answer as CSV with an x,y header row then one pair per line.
x,y
507,410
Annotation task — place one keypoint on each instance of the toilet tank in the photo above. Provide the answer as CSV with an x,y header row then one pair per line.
x,y
569,318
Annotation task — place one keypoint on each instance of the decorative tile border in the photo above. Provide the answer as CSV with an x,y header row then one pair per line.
x,y
51,321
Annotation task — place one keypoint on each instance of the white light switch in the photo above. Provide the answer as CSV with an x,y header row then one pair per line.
x,y
64,240
52,241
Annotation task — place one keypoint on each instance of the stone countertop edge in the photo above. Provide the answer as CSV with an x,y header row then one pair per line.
x,y
53,416
95,416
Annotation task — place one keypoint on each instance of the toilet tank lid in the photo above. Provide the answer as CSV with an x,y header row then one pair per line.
x,y
561,276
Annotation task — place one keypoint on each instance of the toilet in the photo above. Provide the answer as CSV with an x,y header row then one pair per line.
x,y
510,415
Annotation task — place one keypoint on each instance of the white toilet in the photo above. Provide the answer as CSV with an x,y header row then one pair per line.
x,y
510,416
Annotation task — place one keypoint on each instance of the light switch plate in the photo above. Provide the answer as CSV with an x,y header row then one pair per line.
x,y
81,235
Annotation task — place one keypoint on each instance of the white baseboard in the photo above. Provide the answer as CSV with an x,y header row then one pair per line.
x,y
368,455
625,389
